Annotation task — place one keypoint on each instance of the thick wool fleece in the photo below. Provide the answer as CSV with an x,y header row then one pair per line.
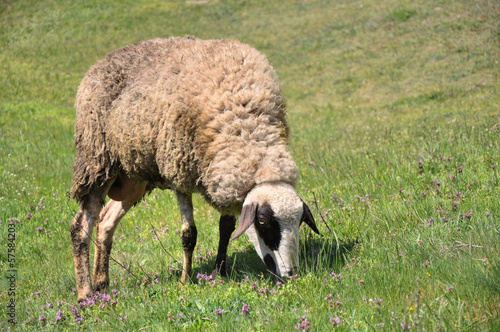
x,y
182,113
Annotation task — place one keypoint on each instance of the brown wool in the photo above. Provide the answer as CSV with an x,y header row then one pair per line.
x,y
204,116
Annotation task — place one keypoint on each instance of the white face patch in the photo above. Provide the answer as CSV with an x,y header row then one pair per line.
x,y
275,231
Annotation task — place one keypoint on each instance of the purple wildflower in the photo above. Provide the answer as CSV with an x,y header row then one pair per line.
x,y
468,215
305,325
105,297
219,311
404,326
335,321
244,309
74,311
59,315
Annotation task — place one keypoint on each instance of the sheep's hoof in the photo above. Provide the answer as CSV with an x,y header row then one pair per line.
x,y
82,297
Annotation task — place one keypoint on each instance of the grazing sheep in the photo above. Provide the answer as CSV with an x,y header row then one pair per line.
x,y
193,116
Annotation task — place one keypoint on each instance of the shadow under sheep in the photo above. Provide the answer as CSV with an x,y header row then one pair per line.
x,y
317,254
323,254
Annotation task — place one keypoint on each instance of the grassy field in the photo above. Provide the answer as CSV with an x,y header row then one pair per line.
x,y
395,119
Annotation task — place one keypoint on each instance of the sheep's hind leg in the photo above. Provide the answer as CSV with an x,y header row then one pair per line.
x,y
124,193
189,234
110,218
227,225
81,234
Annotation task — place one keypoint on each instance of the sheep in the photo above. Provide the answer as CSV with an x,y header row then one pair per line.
x,y
193,116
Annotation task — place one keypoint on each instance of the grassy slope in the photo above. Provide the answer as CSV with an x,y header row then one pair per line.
x,y
377,92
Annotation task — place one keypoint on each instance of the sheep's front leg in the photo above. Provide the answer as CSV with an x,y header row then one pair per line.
x,y
227,225
110,218
81,234
189,234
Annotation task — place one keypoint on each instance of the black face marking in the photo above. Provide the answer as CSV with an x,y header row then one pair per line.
x,y
268,227
271,265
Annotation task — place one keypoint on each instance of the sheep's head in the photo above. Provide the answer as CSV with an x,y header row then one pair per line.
x,y
271,216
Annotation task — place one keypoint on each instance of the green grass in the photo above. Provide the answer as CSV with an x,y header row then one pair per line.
x,y
394,114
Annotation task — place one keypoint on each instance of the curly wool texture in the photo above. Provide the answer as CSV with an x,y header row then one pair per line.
x,y
192,115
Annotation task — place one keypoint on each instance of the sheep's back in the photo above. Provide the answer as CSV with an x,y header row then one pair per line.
x,y
163,109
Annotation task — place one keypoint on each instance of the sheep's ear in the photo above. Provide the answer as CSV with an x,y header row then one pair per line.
x,y
246,219
309,219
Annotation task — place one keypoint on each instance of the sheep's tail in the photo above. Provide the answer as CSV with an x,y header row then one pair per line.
x,y
93,169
